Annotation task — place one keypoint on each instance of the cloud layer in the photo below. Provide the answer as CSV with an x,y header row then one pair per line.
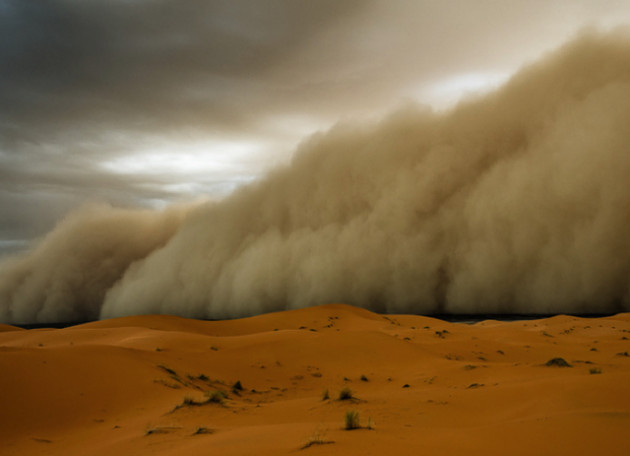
x,y
89,90
516,201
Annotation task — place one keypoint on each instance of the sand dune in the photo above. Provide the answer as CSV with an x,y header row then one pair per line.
x,y
429,387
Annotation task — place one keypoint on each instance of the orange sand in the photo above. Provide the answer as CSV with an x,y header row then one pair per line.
x,y
480,389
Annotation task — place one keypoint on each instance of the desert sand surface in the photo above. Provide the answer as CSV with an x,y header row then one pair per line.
x,y
141,385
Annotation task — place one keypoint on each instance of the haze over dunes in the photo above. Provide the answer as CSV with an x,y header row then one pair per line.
x,y
516,201
136,385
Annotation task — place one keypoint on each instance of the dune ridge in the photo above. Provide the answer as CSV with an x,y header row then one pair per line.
x,y
136,385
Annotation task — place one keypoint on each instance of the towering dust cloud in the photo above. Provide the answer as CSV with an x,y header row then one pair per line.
x,y
517,201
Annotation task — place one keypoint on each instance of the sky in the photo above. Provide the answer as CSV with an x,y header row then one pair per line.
x,y
140,104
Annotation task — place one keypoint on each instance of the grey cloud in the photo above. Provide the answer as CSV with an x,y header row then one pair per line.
x,y
85,83
515,201
143,64
82,83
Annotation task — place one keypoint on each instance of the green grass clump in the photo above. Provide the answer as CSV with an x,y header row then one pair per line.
x,y
345,394
317,439
237,387
216,397
557,362
352,420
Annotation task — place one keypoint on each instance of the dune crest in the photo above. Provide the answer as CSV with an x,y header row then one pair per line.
x,y
144,384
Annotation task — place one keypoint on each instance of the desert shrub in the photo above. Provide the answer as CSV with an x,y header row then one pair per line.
x,y
352,420
558,362
318,438
595,370
217,397
237,387
189,401
345,394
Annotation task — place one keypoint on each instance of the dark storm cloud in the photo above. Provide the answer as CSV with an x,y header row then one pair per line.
x,y
515,201
84,82
87,87
143,65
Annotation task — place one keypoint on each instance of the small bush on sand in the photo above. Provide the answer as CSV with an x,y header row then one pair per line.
x,y
189,401
595,370
325,395
557,362
159,430
318,438
352,420
216,397
237,387
345,394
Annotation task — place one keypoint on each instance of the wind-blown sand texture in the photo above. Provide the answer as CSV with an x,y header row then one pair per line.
x,y
429,387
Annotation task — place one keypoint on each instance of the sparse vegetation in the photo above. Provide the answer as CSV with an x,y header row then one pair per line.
x,y
237,387
203,430
189,401
557,362
168,384
345,394
352,420
161,430
318,438
364,378
216,397
212,397
168,370
325,395
595,370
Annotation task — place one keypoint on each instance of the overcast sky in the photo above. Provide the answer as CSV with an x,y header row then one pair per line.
x,y
147,102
